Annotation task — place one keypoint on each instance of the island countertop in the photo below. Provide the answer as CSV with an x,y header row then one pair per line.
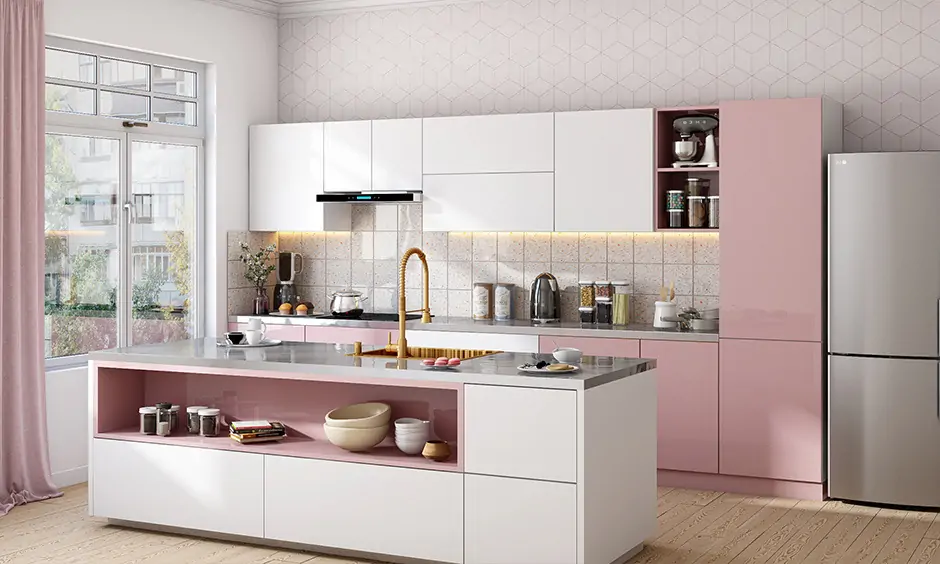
x,y
316,360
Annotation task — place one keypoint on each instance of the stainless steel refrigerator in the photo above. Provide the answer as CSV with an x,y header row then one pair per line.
x,y
884,313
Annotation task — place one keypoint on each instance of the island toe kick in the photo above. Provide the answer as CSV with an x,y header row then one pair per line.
x,y
536,475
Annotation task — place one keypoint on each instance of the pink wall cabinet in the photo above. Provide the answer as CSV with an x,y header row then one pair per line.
x,y
282,332
772,236
771,410
687,401
626,348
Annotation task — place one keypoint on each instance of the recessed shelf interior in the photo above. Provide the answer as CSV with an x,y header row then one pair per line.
x,y
301,405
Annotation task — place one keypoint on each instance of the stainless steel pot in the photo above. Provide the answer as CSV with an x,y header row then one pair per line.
x,y
347,303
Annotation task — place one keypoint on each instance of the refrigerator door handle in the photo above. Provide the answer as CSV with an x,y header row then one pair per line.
x,y
938,364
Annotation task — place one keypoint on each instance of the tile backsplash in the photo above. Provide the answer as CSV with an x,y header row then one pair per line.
x,y
367,259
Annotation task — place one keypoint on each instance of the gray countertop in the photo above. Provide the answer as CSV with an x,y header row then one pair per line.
x,y
514,326
323,361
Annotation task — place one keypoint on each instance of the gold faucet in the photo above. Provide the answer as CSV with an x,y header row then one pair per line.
x,y
402,310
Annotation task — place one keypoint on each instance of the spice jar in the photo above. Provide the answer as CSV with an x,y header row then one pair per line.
x,y
586,288
621,302
148,420
503,307
698,211
483,300
605,311
174,418
603,289
163,418
713,211
192,418
209,422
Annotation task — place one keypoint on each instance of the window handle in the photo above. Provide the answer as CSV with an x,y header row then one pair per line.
x,y
130,124
131,212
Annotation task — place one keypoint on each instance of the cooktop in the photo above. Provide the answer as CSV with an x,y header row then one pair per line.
x,y
372,317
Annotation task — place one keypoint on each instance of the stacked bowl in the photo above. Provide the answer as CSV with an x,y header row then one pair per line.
x,y
358,427
411,434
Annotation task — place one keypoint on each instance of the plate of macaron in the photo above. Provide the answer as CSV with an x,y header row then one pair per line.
x,y
543,367
441,363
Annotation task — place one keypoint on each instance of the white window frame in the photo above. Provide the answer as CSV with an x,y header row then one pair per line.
x,y
174,134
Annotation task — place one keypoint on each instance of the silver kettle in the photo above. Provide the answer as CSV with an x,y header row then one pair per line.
x,y
545,300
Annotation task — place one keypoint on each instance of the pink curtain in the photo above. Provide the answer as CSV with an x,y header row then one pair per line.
x,y
24,457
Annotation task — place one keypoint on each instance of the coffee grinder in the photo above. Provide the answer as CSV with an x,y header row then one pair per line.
x,y
690,150
289,265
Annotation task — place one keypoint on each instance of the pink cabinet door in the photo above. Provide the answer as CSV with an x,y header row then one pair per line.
x,y
282,332
771,219
771,410
687,401
626,348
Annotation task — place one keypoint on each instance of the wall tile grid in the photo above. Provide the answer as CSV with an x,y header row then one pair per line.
x,y
367,259
881,58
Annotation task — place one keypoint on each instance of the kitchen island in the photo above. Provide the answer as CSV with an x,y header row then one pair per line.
x,y
556,469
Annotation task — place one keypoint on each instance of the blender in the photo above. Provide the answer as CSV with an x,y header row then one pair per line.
x,y
690,150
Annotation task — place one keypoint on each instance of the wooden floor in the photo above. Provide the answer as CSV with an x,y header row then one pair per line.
x,y
694,526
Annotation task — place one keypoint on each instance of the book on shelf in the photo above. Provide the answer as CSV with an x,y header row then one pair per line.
x,y
254,426
254,435
247,441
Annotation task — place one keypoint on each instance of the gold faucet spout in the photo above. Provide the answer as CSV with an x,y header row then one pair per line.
x,y
402,305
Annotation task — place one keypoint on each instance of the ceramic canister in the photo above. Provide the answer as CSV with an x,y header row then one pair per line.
x,y
675,200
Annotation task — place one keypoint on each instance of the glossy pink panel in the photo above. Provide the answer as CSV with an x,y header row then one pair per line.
x,y
625,348
687,400
282,332
772,191
771,409
348,335
115,399
740,485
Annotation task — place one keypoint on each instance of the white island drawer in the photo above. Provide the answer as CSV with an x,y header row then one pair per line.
x,y
521,432
363,507
193,488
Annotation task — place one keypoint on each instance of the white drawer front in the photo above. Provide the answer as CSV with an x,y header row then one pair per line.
x,y
485,341
521,432
194,488
380,509
512,521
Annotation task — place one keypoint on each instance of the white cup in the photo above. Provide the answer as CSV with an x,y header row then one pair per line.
x,y
255,324
254,336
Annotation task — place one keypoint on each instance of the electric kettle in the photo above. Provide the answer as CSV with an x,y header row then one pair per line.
x,y
545,300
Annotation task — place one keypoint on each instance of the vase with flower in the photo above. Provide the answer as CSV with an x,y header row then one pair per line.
x,y
258,267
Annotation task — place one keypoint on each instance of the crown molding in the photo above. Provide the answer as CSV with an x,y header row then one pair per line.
x,y
267,8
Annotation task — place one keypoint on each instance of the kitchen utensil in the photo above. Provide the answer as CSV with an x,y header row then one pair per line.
x,y
710,313
545,304
661,310
244,345
691,129
255,324
438,451
347,304
360,415
532,369
354,439
703,324
567,355
672,290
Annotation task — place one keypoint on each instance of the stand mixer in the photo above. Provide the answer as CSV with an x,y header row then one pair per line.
x,y
686,150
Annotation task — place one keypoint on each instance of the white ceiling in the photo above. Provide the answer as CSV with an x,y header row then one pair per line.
x,y
299,8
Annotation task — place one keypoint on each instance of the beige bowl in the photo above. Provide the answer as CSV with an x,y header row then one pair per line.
x,y
360,416
355,440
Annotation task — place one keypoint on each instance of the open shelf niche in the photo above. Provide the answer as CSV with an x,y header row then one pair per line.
x,y
670,178
300,404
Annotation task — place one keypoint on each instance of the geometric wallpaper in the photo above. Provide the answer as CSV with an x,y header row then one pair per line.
x,y
880,58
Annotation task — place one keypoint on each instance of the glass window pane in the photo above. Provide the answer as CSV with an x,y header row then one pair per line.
x,y
70,66
174,111
70,99
164,180
129,106
81,267
114,72
174,81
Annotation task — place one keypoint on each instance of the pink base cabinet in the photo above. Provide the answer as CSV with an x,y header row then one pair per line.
x,y
281,332
687,401
771,410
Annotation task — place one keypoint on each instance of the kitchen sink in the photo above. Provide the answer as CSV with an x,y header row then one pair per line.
x,y
420,353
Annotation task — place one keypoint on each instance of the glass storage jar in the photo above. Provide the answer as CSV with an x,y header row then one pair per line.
x,y
586,291
621,302
603,289
605,311
174,418
586,314
192,418
209,422
676,218
483,300
148,420
698,211
697,187
713,211
503,301
163,418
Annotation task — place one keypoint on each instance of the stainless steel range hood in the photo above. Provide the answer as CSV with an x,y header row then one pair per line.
x,y
370,197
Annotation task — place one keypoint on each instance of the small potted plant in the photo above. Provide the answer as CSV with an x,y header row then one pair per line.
x,y
258,266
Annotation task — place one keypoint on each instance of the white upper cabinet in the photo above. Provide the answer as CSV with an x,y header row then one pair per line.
x,y
396,155
348,156
487,144
285,176
488,202
604,170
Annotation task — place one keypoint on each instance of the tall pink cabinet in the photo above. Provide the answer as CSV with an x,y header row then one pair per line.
x,y
771,416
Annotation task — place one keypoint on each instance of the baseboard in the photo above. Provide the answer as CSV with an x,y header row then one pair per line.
x,y
741,484
67,478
